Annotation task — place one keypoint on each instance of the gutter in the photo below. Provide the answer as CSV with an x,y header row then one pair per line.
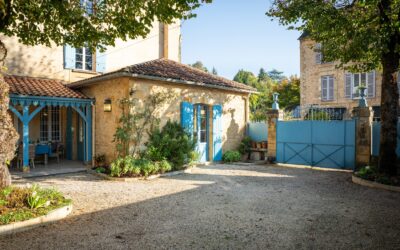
x,y
94,80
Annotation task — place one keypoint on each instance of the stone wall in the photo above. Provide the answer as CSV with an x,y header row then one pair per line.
x,y
235,108
48,62
310,81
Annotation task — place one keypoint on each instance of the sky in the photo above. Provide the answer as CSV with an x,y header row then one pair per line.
x,y
236,34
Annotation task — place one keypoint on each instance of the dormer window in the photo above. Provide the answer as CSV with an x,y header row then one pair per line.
x,y
83,59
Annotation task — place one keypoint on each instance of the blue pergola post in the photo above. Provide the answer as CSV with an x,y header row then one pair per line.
x,y
25,135
88,134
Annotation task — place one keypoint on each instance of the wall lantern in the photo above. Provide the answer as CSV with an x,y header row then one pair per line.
x,y
107,105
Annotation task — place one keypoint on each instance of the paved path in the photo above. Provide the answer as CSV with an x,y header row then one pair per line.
x,y
223,206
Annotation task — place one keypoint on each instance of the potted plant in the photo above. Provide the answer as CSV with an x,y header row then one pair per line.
x,y
245,148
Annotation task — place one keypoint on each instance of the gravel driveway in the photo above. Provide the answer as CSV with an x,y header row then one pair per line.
x,y
221,206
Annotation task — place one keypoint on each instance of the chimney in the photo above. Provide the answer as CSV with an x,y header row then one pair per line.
x,y
165,41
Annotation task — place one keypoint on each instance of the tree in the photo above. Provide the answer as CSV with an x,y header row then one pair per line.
x,y
214,71
276,75
246,77
199,65
289,92
360,36
262,75
95,24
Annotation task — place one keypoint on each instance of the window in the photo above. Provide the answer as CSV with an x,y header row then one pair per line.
x,y
318,54
203,123
354,81
83,58
50,125
87,6
327,88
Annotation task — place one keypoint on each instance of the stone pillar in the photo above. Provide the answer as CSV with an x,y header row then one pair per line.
x,y
272,119
363,117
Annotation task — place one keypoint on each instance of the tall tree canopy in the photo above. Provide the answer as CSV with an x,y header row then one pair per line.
x,y
91,23
199,65
359,36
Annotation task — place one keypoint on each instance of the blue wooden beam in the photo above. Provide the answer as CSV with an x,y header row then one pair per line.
x,y
69,134
25,135
88,134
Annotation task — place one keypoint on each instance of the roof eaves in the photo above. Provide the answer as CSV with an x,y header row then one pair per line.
x,y
125,73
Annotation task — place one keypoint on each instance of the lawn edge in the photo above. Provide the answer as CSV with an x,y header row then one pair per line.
x,y
372,184
52,216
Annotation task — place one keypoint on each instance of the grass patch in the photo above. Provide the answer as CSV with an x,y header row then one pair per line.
x,y
19,204
371,173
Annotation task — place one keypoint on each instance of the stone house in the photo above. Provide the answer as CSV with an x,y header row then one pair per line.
x,y
58,95
322,84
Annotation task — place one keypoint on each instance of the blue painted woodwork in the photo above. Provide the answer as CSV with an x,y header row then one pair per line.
x,y
41,102
187,117
376,135
202,147
329,144
217,132
100,61
69,133
257,131
42,149
80,143
69,57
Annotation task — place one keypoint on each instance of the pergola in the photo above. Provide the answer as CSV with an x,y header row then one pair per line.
x,y
28,92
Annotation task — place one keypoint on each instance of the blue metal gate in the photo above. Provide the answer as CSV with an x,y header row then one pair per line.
x,y
376,133
327,144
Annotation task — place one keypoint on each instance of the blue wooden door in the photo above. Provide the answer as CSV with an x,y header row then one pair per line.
x,y
201,131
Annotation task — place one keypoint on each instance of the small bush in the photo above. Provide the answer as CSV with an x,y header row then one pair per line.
x,y
164,166
171,143
231,156
371,173
100,170
245,145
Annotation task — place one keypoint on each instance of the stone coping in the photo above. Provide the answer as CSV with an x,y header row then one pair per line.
x,y
52,216
133,179
313,168
373,184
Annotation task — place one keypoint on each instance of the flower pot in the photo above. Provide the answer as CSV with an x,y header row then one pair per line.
x,y
253,144
259,144
265,144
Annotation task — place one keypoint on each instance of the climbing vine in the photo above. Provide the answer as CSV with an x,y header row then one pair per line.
x,y
138,119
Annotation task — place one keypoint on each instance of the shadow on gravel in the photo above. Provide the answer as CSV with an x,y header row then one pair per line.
x,y
308,210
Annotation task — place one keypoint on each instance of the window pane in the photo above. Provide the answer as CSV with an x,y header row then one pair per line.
x,y
78,65
88,59
44,116
78,51
363,79
55,124
203,136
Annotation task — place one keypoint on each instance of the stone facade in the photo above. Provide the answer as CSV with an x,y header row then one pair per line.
x,y
310,78
48,62
235,108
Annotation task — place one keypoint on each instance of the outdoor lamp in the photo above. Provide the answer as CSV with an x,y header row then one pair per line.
x,y
107,105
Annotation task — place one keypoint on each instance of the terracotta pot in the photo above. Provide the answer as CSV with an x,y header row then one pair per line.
x,y
253,144
259,144
265,144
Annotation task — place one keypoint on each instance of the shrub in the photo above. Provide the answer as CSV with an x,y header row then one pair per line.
x,y
171,143
100,170
164,166
231,156
245,145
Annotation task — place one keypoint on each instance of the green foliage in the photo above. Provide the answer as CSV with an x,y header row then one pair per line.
x,y
164,166
371,173
199,65
100,160
100,170
231,156
68,22
214,71
136,120
171,143
35,199
317,115
130,167
246,77
18,204
266,84
245,145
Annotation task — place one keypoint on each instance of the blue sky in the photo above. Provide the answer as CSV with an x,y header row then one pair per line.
x,y
236,34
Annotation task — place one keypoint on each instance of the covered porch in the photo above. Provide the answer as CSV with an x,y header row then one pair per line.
x,y
52,121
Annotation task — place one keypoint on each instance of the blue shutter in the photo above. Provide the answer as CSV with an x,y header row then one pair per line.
x,y
69,57
348,86
187,116
100,61
217,132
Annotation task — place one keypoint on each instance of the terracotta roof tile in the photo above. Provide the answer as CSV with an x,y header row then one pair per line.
x,y
168,69
23,85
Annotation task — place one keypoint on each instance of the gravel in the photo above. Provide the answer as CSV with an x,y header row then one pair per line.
x,y
220,206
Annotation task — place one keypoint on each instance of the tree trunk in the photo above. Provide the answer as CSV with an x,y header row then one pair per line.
x,y
8,135
389,112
